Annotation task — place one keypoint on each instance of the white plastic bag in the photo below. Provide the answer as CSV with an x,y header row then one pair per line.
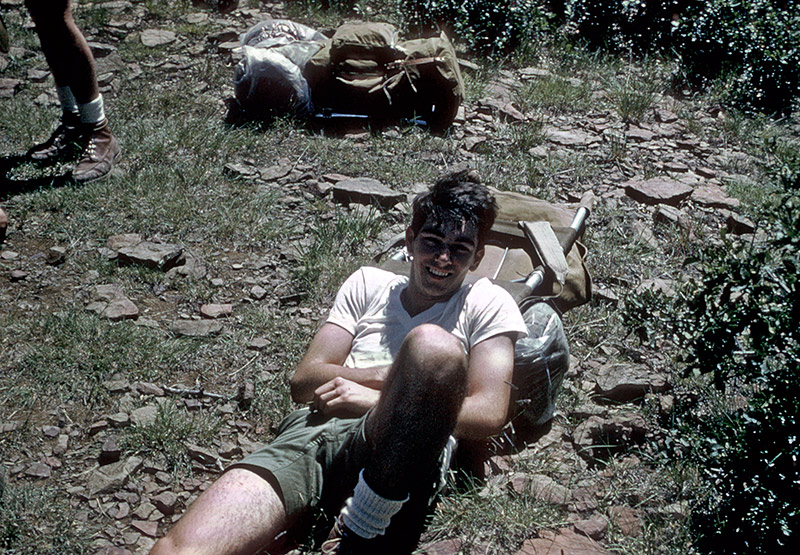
x,y
268,81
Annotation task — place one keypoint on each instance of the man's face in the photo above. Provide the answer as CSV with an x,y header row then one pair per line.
x,y
442,257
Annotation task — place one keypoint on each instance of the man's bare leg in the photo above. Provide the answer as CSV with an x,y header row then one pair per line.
x,y
417,411
240,513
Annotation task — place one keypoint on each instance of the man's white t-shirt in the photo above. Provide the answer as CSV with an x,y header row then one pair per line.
x,y
368,306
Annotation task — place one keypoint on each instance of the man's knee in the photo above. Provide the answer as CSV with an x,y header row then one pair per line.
x,y
165,546
436,353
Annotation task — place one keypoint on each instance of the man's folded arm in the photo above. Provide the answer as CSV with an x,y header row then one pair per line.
x,y
491,366
324,361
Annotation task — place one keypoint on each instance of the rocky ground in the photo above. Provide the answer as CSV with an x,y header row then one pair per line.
x,y
671,171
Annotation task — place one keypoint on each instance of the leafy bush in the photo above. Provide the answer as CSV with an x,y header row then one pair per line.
x,y
753,43
743,327
486,26
622,24
752,46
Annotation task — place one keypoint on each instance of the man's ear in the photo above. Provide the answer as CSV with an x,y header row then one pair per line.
x,y
409,239
477,260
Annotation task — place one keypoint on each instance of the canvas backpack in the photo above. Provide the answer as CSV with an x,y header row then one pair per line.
x,y
365,69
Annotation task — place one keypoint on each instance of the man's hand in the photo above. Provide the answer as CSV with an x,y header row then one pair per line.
x,y
324,361
344,398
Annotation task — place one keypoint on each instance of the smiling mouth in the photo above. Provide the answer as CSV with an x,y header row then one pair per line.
x,y
438,273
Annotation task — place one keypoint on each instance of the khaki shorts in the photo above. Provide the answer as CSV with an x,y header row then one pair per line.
x,y
316,462
309,451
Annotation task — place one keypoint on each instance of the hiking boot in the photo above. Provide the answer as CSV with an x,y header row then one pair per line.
x,y
343,541
100,152
63,144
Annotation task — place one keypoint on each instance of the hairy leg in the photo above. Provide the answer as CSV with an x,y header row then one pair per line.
x,y
240,513
65,48
417,411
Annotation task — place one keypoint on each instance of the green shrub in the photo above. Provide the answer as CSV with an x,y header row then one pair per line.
x,y
643,26
743,327
485,26
754,45
751,46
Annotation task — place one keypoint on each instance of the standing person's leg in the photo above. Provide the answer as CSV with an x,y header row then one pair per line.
x,y
65,48
407,432
72,64
240,513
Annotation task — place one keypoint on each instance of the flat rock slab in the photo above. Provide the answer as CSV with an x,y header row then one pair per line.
x,y
161,256
8,87
570,137
364,190
444,547
196,328
166,502
658,191
273,173
627,382
202,455
216,310
113,304
619,430
146,527
124,240
38,470
739,225
639,134
112,476
505,109
594,527
713,196
562,542
145,416
548,490
244,171
157,37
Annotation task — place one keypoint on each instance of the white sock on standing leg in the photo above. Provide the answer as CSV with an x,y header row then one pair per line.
x,y
92,112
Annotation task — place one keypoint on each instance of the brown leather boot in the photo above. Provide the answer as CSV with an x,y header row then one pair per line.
x,y
66,142
100,152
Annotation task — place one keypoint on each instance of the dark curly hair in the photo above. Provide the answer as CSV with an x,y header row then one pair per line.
x,y
455,198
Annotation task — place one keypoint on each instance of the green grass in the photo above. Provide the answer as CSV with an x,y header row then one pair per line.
x,y
502,520
555,94
633,95
40,519
336,249
62,358
166,439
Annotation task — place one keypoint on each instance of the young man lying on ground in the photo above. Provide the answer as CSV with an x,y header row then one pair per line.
x,y
400,366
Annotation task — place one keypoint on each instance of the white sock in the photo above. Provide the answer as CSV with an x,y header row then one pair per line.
x,y
92,112
368,514
67,100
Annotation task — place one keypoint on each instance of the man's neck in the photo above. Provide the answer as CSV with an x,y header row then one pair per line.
x,y
414,305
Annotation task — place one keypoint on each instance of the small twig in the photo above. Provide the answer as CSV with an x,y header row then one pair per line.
x,y
192,392
248,363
